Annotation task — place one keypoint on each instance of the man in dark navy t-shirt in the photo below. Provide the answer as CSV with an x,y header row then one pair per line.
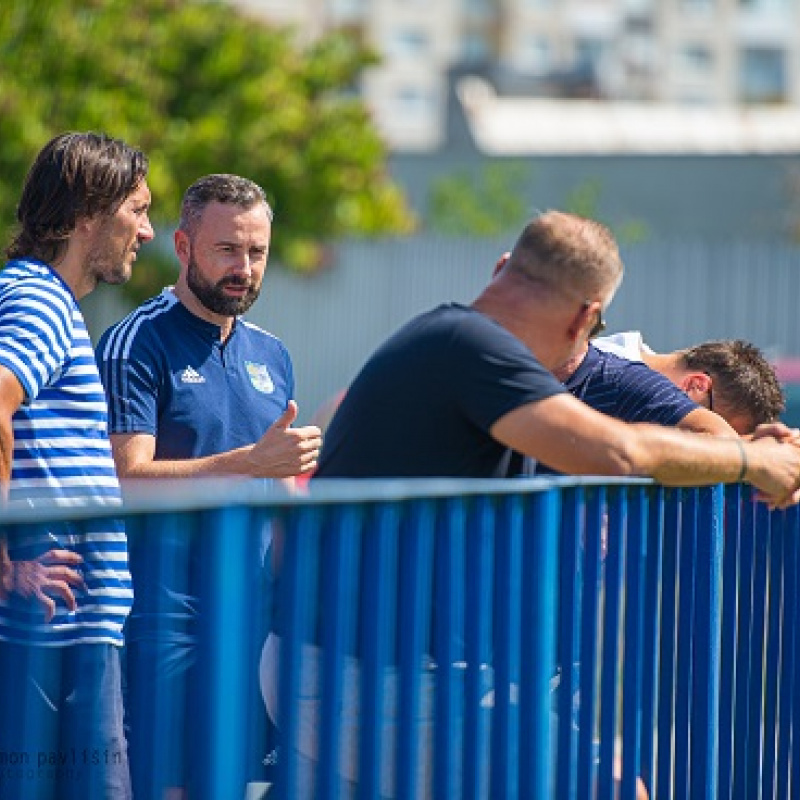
x,y
461,390
467,391
468,370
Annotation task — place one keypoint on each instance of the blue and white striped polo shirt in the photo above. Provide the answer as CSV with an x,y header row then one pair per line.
x,y
62,456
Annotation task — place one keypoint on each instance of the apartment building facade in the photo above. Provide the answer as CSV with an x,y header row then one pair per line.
x,y
690,52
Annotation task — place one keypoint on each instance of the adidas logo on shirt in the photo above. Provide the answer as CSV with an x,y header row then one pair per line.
x,y
190,375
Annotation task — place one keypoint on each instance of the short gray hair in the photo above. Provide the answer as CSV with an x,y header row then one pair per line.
x,y
219,188
566,252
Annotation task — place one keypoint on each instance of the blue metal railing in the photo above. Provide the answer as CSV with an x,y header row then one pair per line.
x,y
535,638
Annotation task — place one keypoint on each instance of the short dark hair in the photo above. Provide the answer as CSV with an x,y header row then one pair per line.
x,y
744,381
75,176
219,188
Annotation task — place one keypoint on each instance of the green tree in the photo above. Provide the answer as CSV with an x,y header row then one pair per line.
x,y
490,202
494,201
584,200
201,88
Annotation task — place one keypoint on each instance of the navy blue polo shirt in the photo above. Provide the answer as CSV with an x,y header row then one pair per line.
x,y
167,373
628,390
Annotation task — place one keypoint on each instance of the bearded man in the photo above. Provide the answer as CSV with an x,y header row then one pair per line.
x,y
195,390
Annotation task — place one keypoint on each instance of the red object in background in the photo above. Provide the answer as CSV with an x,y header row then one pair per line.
x,y
322,418
787,369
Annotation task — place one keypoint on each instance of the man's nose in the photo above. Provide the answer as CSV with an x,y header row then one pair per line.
x,y
146,232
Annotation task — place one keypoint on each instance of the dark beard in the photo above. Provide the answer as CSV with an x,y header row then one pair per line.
x,y
212,295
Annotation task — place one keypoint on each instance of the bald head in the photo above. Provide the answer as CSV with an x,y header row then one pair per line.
x,y
569,254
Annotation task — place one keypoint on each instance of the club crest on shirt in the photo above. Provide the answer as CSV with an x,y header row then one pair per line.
x,y
260,377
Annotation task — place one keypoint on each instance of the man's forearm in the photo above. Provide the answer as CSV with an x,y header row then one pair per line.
x,y
231,463
683,459
6,570
6,455
677,458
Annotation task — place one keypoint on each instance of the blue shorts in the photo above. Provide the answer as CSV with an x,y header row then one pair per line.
x,y
61,731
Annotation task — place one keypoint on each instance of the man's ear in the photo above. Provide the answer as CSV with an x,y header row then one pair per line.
x,y
695,384
582,321
182,246
86,226
501,262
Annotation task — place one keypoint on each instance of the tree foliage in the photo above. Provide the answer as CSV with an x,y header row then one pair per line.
x,y
489,202
493,201
201,88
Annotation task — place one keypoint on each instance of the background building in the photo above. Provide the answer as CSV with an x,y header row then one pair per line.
x,y
692,52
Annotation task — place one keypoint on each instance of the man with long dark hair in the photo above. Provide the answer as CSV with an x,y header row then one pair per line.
x,y
65,589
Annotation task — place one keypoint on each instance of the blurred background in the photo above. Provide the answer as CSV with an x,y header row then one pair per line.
x,y
404,144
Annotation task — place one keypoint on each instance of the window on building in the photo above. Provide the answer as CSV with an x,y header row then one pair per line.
x,y
762,75
408,43
696,58
535,55
765,5
639,6
589,53
697,6
347,6
475,48
481,8
414,103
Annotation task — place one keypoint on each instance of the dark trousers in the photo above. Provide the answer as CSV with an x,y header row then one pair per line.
x,y
61,731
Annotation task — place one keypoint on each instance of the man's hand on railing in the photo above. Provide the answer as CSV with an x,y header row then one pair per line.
x,y
776,430
774,464
51,573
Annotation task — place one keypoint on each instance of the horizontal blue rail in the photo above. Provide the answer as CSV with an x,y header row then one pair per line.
x,y
536,638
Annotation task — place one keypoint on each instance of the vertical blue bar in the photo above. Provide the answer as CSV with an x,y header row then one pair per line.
x,y
378,620
573,512
539,604
773,656
617,525
755,697
339,601
794,750
707,644
666,669
654,546
223,647
414,617
450,591
296,593
591,536
508,588
687,582
634,650
730,601
477,641
788,533
742,723
158,546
